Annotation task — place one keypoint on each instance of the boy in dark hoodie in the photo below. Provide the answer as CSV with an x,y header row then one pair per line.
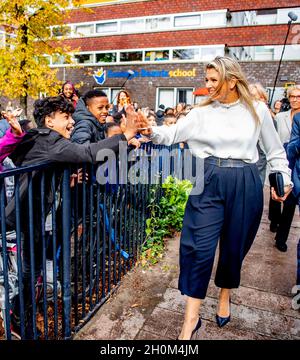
x,y
90,117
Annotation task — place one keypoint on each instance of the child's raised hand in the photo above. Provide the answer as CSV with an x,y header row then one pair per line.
x,y
13,122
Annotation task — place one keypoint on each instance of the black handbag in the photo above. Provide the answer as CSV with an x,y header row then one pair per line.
x,y
276,181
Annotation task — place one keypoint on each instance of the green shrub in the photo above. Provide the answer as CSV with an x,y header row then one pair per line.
x,y
166,216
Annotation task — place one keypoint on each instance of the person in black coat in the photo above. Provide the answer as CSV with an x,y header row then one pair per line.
x,y
49,142
90,117
293,154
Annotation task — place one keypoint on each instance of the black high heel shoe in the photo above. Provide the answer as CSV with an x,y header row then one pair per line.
x,y
197,327
222,321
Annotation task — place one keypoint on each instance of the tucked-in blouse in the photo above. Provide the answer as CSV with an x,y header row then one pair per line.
x,y
227,131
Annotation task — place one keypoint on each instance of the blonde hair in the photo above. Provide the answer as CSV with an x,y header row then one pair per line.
x,y
230,69
292,88
263,95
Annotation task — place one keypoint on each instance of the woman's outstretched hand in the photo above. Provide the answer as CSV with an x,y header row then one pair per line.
x,y
133,121
145,127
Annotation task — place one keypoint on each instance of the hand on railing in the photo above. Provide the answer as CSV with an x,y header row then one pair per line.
x,y
134,142
77,178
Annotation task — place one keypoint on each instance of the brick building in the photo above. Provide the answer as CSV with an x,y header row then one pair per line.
x,y
166,43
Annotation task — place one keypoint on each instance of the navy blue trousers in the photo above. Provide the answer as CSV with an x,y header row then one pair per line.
x,y
229,209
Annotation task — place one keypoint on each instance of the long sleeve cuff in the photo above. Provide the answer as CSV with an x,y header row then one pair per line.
x,y
11,135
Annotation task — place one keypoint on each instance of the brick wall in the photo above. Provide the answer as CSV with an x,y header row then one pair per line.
x,y
232,36
143,89
159,7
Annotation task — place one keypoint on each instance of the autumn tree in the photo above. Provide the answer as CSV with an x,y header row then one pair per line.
x,y
24,65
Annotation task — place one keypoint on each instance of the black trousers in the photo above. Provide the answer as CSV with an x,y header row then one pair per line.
x,y
282,215
229,209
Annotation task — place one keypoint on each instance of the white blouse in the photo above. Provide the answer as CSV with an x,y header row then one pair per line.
x,y
227,131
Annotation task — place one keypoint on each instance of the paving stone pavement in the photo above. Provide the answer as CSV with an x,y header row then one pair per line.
x,y
148,306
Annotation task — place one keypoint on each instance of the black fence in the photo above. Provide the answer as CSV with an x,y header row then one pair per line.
x,y
66,244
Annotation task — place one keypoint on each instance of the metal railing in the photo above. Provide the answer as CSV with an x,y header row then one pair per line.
x,y
65,245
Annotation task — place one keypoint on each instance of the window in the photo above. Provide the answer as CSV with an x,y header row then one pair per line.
x,y
201,53
131,56
7,40
264,53
166,97
132,25
61,30
214,19
283,18
185,96
209,53
186,54
172,96
106,57
248,19
266,19
2,40
84,58
113,96
111,93
47,58
191,20
106,90
266,11
158,23
58,60
156,55
84,30
107,27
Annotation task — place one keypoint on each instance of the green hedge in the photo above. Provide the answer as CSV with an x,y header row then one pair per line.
x,y
166,216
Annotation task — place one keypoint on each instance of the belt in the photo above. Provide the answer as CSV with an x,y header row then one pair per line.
x,y
212,160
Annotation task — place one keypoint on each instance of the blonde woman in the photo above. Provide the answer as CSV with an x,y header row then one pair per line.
x,y
258,92
224,132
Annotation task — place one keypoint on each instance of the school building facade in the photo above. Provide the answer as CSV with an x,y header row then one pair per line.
x,y
157,49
